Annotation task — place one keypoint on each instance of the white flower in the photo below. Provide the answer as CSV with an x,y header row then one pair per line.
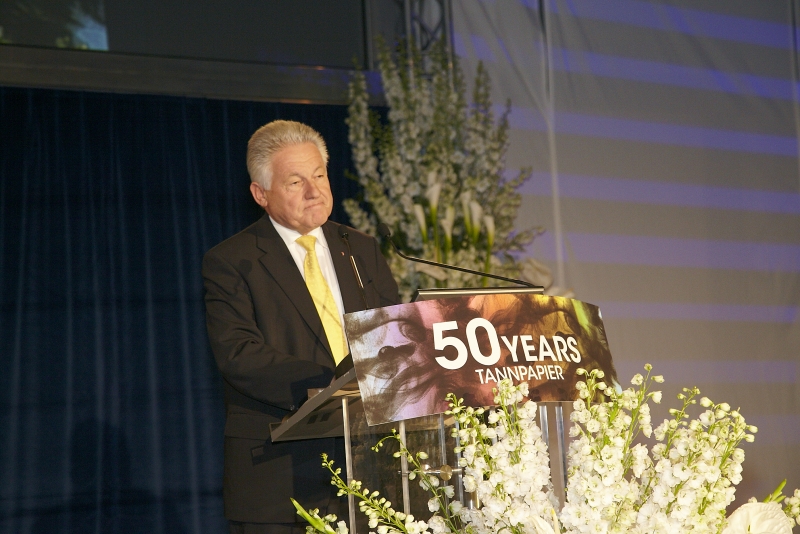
x,y
437,146
432,194
706,417
433,504
757,518
433,177
470,484
448,220
682,484
488,221
466,198
419,213
476,215
541,526
415,527
437,525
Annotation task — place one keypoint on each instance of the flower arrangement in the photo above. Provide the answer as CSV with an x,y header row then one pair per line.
x,y
616,483
434,173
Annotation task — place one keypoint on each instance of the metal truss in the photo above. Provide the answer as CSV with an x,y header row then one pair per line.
x,y
427,22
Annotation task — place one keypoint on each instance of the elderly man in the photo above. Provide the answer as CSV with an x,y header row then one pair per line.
x,y
275,294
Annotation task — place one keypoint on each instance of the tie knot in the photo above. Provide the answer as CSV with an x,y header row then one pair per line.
x,y
307,242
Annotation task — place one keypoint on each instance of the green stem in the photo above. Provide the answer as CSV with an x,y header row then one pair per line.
x,y
435,224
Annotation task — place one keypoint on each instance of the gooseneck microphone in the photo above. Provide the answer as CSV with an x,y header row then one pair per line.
x,y
347,363
345,236
386,233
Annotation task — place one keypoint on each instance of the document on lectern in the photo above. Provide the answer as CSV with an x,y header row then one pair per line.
x,y
409,356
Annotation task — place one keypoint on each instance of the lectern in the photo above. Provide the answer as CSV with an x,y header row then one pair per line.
x,y
337,411
546,340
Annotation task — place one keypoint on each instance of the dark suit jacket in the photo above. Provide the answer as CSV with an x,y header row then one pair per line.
x,y
270,348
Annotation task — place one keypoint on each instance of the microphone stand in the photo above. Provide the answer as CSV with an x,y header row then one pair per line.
x,y
386,233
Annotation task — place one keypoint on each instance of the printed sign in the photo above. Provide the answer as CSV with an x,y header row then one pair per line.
x,y
408,357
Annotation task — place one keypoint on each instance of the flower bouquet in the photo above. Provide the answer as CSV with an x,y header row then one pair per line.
x,y
432,170
682,482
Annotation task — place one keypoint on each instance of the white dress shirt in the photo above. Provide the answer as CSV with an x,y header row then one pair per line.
x,y
290,236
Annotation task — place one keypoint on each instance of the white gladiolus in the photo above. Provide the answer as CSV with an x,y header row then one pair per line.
x,y
683,483
660,490
434,146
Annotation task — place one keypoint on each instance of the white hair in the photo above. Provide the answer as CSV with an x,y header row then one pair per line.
x,y
271,138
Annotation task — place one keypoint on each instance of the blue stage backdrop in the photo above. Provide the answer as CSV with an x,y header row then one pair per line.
x,y
110,404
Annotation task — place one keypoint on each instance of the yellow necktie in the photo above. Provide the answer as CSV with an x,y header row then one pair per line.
x,y
323,299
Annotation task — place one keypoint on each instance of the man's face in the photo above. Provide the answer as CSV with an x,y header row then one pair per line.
x,y
300,197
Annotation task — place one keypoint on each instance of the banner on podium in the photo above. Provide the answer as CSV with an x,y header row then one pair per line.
x,y
409,356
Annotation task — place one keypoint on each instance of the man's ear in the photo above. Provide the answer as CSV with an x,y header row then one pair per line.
x,y
259,194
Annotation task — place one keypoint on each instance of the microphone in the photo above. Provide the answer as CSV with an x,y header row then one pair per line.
x,y
347,363
345,236
386,233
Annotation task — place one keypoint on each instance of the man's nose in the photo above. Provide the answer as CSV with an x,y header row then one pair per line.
x,y
312,189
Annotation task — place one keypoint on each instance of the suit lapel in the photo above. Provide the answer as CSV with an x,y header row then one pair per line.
x,y
351,293
280,264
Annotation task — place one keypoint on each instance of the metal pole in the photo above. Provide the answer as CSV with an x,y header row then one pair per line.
x,y
369,38
554,437
404,471
562,446
447,28
408,16
442,440
348,460
460,471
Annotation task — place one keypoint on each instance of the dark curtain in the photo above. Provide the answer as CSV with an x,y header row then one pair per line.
x,y
110,404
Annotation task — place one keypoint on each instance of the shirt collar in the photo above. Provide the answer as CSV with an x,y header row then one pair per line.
x,y
289,236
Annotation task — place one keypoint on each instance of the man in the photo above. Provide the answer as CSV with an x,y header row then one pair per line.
x,y
273,338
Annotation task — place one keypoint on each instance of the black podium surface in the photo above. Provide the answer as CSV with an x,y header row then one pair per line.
x,y
321,416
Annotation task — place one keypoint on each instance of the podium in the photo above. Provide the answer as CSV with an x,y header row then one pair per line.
x,y
337,411
546,340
